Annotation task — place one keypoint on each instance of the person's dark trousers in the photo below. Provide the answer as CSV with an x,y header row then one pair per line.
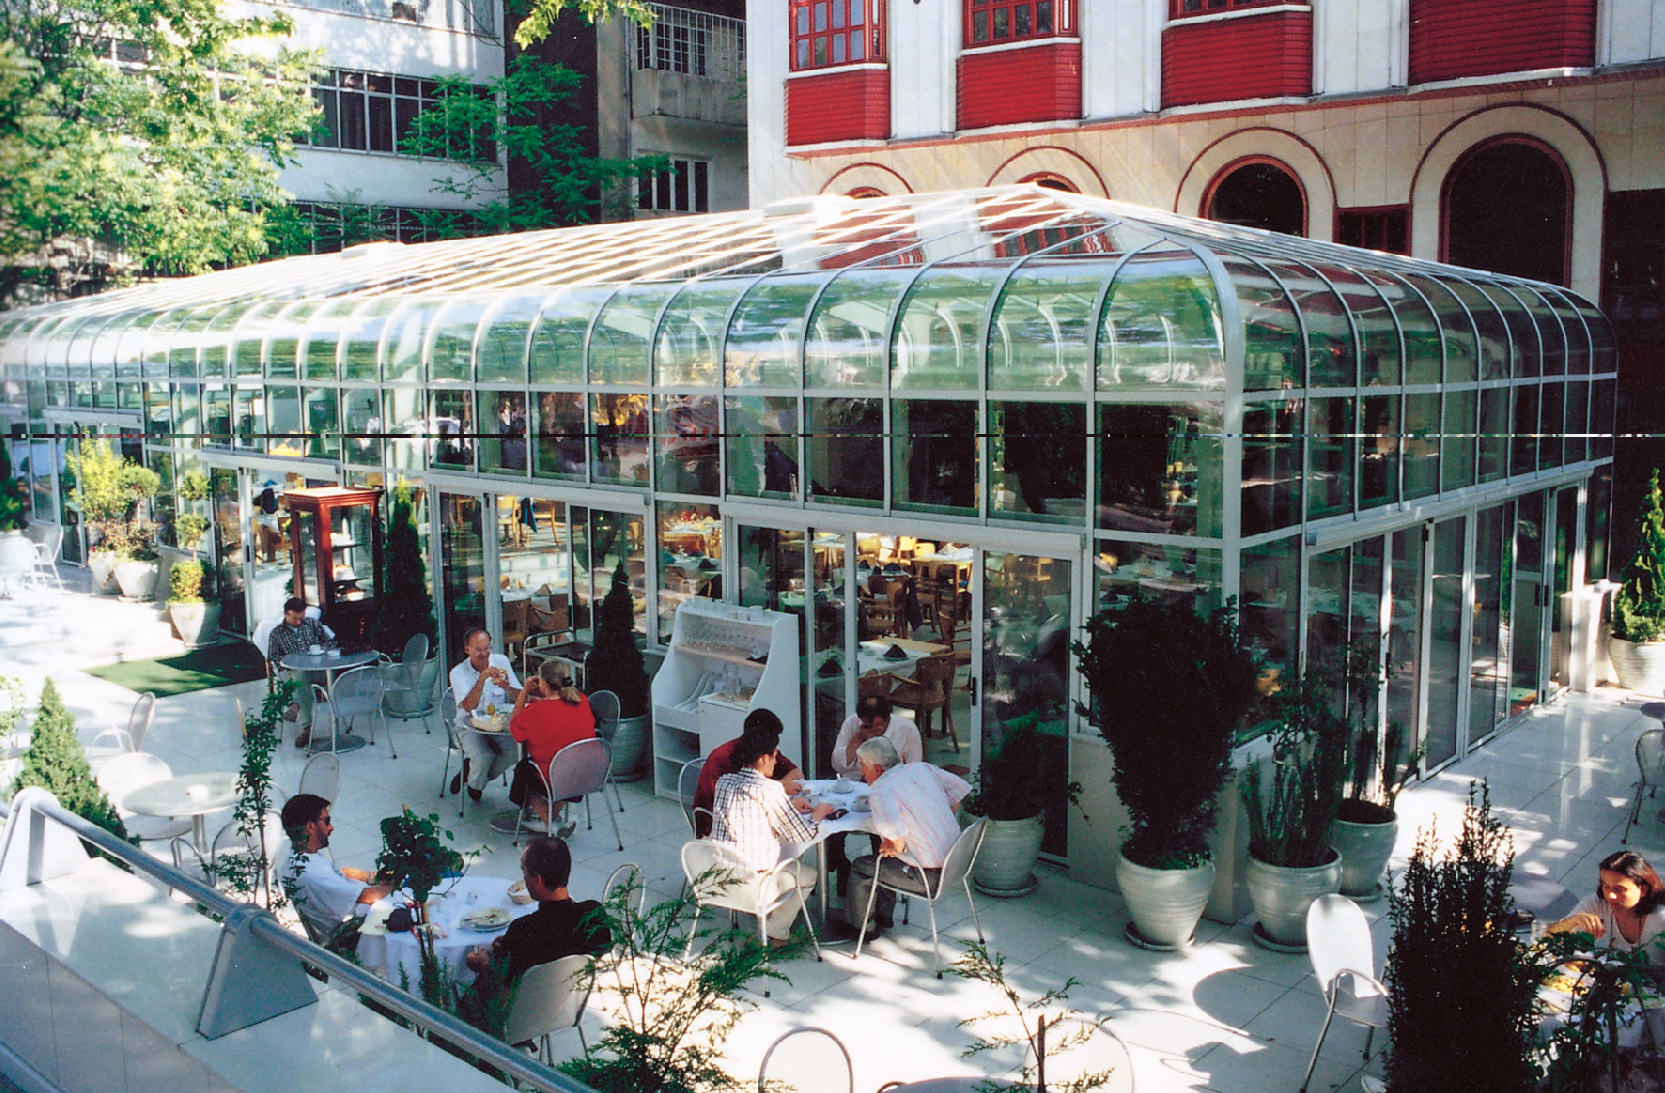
x,y
838,861
893,872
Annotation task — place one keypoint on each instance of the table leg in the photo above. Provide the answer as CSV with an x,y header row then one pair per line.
x,y
199,833
821,878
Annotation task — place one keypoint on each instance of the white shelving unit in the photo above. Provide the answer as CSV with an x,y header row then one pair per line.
x,y
724,661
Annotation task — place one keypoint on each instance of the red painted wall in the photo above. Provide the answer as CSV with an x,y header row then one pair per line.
x,y
1251,57
1038,83
839,104
1455,38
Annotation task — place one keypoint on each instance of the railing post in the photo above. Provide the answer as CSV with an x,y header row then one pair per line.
x,y
37,848
251,981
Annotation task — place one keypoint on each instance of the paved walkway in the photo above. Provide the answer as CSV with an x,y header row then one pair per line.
x,y
1228,1016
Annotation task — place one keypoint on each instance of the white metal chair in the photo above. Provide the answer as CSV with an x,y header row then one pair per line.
x,y
402,697
719,876
578,770
321,776
1338,940
623,879
1650,773
807,1060
135,770
956,870
323,716
358,693
550,997
1079,1050
453,743
605,706
230,841
113,742
687,781
262,639
46,556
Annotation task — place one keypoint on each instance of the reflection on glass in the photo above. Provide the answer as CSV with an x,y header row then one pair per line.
x,y
216,416
1526,619
827,652
940,336
1598,506
1272,351
452,354
503,447
1159,468
763,447
1271,603
1043,325
556,354
1560,624
1445,631
1037,461
559,452
691,335
323,422
619,342
1572,326
935,455
228,548
1373,319
1523,452
1494,434
1161,325
323,338
361,340
1525,354
1330,361
534,565
1457,336
1488,322
404,341
767,331
283,347
362,416
1551,337
1404,637
250,337
616,539
451,429
1379,438
502,351
1552,410
1486,671
1366,624
462,568
1272,435
407,414
849,332
1422,445
1330,478
846,450
1457,446
687,431
620,453
690,558
251,419
1166,572
1602,422
1329,580
1576,436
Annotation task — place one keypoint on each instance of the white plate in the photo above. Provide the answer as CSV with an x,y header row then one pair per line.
x,y
487,918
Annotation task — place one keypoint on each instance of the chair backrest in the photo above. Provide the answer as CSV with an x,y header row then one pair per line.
x,y
263,635
936,672
138,722
605,706
413,658
550,997
1338,937
448,713
808,1060
1650,756
321,776
51,541
366,682
130,771
514,615
1077,1047
625,877
960,857
579,769
687,782
323,714
874,683
724,870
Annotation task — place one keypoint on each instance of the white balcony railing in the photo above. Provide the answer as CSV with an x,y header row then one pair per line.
x,y
692,42
469,16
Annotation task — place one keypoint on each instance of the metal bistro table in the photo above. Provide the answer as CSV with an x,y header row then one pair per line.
x,y
329,667
852,822
193,795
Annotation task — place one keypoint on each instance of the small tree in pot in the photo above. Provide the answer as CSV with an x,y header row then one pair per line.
x,y
194,614
16,551
1169,689
1637,647
1011,793
615,664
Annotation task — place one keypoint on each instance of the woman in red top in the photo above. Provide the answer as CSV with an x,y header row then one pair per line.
x,y
550,714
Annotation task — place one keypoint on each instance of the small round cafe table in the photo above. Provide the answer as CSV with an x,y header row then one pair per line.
x,y
397,955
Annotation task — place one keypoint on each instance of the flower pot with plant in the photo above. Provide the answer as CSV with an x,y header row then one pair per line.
x,y
189,529
1637,647
1009,795
615,664
137,567
1291,808
1366,825
1168,690
416,859
195,616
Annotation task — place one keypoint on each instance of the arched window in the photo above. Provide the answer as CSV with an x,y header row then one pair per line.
x,y
1046,180
1259,193
1507,208
865,191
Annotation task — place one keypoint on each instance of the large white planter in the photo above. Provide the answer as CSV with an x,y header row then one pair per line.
x,y
1005,866
1365,850
17,552
198,623
1281,896
1165,904
1639,666
137,579
103,567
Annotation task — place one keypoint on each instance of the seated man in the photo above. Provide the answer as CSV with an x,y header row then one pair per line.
x,y
484,680
561,926
549,714
913,813
325,894
296,634
753,813
874,718
721,761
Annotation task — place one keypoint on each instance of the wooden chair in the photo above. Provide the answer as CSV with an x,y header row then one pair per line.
x,y
930,689
879,616
878,684
514,625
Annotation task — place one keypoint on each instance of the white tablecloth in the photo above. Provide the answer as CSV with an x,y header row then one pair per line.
x,y
388,954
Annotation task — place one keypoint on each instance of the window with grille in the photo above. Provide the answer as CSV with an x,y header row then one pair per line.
x,y
1179,9
374,112
836,32
684,188
671,48
989,22
1385,229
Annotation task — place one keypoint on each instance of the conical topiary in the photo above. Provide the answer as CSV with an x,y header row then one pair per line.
x,y
615,663
1639,605
404,607
57,763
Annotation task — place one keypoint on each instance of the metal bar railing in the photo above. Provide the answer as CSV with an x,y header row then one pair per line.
x,y
253,937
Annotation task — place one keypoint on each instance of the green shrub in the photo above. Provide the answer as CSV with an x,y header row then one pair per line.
x,y
1639,605
57,763
13,499
189,528
404,607
187,580
1292,807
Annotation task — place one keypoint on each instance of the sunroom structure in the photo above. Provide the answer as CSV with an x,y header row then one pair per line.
x,y
940,429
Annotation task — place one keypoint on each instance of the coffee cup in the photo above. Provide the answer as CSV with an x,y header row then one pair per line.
x,y
862,803
314,650
332,653
844,785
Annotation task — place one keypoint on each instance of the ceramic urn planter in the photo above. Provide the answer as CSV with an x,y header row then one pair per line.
x,y
1165,904
1365,849
137,579
1005,866
103,566
1281,896
198,623
1640,666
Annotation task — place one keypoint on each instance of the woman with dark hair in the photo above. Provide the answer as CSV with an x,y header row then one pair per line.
x,y
1626,908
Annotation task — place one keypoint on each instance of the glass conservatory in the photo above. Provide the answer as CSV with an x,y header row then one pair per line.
x,y
940,429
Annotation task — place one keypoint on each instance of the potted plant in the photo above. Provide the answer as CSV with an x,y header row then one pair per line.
x,y
193,486
1291,808
189,529
415,858
404,606
193,614
1366,825
615,664
1009,795
16,551
1168,690
1637,647
97,492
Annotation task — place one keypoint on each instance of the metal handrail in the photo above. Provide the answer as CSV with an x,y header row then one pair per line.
x,y
247,922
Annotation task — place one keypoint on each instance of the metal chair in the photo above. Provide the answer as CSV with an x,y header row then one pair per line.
x,y
453,743
135,770
1650,767
403,697
358,693
1338,940
605,706
578,770
321,776
46,556
323,716
815,1062
113,742
956,870
229,841
719,876
1080,1050
626,878
550,997
687,781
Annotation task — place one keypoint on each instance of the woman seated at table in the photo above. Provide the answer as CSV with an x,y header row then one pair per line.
x,y
549,714
1627,908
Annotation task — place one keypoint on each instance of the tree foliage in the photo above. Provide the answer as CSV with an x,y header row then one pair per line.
x,y
1639,605
12,495
57,763
404,607
615,664
539,20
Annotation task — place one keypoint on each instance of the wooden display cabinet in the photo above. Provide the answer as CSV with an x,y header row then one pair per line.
x,y
335,544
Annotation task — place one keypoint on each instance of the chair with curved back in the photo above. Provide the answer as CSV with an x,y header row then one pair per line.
x,y
321,776
403,697
605,706
453,743
626,878
230,840
358,693
134,770
578,770
808,1060
956,870
323,717
515,630
1338,940
46,555
113,742
930,689
719,876
1650,773
549,998
687,782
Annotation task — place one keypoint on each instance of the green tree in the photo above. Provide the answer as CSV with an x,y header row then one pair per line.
x,y
57,763
141,135
1639,605
404,607
12,498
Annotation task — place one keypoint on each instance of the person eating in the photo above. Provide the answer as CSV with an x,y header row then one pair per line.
x,y
549,714
1627,909
482,681
764,724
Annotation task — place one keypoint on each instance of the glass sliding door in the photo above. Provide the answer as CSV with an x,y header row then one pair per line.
x,y
1404,665
462,551
1445,637
829,632
1487,669
1527,618
771,576
1560,619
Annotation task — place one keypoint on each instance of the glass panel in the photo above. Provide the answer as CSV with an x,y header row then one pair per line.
x,y
1526,620
1043,325
1576,437
284,345
1494,434
502,351
766,333
846,450
1560,624
217,416
1422,446
772,570
939,340
557,350
451,429
1038,461
691,336
362,410
1550,335
1523,452
1330,477
1026,671
1457,446
1329,579
1272,466
452,355
1169,573
1578,340
1457,330
621,440
1494,335
1160,468
560,425
620,341
462,568
934,452
1162,326
850,330
129,351
250,339
362,338
1598,505
687,444
63,445
1445,630
616,539
182,356
251,419
1486,674
1330,359
1365,622
1373,319
323,338
828,633
1272,354
1552,416
1379,451
1604,352
1525,353
1418,328
1404,638
283,415
407,412
323,422
1271,599
763,447
1602,423
403,360
228,548
503,449
690,558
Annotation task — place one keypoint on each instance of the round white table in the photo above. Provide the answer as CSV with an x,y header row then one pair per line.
x,y
824,790
193,795
395,953
328,666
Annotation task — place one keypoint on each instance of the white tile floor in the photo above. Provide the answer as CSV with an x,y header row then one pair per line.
x,y
1227,1016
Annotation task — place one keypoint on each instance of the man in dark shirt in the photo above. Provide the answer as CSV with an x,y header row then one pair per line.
x,y
762,723
557,928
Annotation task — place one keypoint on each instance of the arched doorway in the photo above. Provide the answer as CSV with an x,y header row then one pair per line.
x,y
1526,235
1047,180
1258,194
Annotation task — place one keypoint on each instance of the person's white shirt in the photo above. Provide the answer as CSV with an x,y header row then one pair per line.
x,y
491,694
915,802
902,733
1653,927
324,894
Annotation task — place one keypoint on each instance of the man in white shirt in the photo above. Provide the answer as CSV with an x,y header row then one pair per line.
x,y
325,894
873,719
913,814
482,681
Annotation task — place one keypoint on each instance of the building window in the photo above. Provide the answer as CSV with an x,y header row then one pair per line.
x,y
671,48
375,111
1258,194
685,188
1525,235
324,228
1387,229
1180,9
835,32
991,21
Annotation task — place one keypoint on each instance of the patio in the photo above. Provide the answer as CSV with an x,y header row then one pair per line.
x,y
1226,1016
